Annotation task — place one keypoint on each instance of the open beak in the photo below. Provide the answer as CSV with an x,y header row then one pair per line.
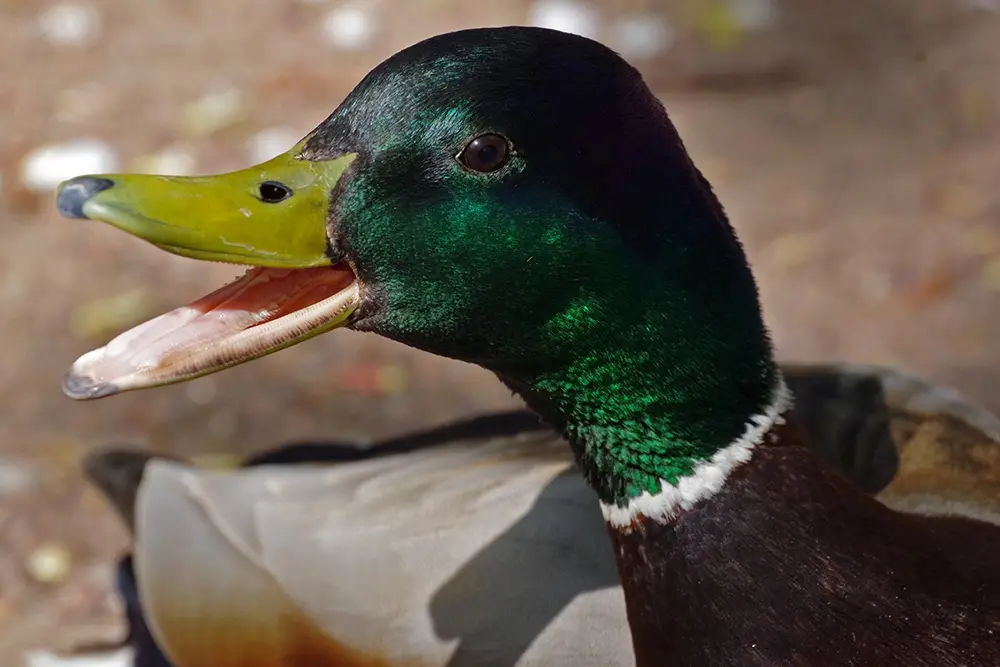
x,y
271,216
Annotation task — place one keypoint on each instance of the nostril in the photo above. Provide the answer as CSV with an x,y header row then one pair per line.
x,y
74,193
272,192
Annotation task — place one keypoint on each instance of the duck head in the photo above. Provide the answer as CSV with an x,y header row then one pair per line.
x,y
512,197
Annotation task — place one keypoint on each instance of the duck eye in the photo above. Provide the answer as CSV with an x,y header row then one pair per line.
x,y
485,153
272,192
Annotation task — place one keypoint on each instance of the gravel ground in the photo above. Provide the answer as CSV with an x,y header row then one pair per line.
x,y
857,150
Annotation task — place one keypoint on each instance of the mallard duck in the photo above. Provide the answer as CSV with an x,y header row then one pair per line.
x,y
518,199
432,612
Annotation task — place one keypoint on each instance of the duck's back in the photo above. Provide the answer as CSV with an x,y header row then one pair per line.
x,y
473,544
485,552
922,447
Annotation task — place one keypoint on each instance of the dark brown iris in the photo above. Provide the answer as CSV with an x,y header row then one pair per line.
x,y
485,153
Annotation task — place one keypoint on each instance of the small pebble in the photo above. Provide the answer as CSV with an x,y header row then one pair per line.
x,y
15,478
70,24
717,26
565,15
47,166
99,318
177,160
213,112
268,143
349,27
49,564
792,250
200,391
642,36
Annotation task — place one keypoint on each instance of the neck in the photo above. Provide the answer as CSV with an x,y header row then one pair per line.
x,y
682,588
665,362
705,474
657,421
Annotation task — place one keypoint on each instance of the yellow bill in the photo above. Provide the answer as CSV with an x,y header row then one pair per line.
x,y
272,216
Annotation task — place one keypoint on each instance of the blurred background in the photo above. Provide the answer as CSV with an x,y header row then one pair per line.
x,y
855,144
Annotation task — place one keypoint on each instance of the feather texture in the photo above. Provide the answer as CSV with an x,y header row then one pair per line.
x,y
471,545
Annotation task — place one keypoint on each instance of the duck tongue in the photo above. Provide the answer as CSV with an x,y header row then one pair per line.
x,y
263,311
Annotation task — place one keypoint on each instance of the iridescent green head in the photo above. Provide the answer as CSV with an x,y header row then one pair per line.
x,y
512,197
